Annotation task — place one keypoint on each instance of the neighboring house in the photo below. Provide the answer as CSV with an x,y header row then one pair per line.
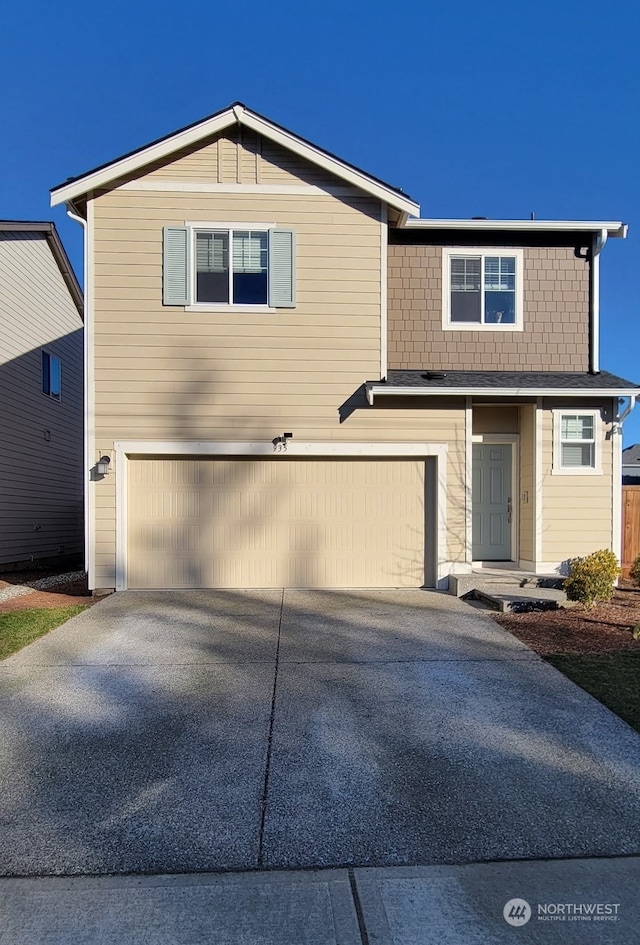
x,y
631,465
41,391
294,382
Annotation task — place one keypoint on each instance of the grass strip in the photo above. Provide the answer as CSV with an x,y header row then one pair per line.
x,y
23,626
612,678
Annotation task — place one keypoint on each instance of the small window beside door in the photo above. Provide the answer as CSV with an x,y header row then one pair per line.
x,y
51,375
576,443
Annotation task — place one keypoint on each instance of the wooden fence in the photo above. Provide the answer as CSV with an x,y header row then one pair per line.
x,y
630,527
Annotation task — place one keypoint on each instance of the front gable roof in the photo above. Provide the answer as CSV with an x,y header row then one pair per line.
x,y
236,114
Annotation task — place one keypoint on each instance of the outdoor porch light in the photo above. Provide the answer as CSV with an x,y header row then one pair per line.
x,y
103,465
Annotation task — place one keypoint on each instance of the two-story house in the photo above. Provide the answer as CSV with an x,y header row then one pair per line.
x,y
293,380
41,395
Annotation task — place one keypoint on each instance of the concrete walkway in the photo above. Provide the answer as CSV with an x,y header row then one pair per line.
x,y
212,731
565,902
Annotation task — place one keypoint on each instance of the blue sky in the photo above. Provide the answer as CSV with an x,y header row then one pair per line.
x,y
494,109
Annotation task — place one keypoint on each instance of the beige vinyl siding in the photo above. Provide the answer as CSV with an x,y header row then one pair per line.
x,y
276,522
577,509
495,419
527,483
41,482
165,373
240,156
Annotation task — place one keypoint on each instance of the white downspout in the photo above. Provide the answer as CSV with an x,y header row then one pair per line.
x,y
87,445
621,417
597,247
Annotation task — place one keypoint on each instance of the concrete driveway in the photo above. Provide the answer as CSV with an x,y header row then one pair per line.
x,y
209,730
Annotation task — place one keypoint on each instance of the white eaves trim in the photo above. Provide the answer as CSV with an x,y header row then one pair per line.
x,y
375,390
613,228
267,448
211,126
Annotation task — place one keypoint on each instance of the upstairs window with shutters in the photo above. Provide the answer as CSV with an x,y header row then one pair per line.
x,y
576,442
228,266
483,289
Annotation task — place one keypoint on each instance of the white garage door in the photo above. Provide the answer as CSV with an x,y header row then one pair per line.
x,y
276,523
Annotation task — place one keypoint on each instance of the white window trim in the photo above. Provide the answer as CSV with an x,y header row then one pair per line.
x,y
558,469
124,449
196,226
447,253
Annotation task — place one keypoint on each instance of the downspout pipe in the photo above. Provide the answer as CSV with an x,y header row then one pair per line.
x,y
87,465
619,420
598,244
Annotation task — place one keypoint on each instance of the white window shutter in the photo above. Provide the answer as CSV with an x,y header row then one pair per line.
x,y
175,273
282,268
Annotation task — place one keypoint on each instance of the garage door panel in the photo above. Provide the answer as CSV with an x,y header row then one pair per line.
x,y
275,523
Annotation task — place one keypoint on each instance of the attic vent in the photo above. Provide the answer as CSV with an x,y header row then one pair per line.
x,y
433,375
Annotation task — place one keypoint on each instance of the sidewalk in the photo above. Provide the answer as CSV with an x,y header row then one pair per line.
x,y
568,901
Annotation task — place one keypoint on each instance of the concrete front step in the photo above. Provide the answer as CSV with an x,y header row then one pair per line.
x,y
461,584
506,598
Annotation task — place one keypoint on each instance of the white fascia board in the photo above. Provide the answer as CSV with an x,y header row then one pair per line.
x,y
328,163
154,152
267,448
386,391
613,228
205,129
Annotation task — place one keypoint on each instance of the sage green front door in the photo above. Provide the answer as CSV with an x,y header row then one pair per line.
x,y
492,502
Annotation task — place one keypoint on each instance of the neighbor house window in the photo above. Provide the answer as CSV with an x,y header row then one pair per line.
x,y
576,443
483,289
51,375
215,266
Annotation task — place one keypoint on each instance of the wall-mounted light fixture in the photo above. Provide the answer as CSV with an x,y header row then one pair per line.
x,y
102,466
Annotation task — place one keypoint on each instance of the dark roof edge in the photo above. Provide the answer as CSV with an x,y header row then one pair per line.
x,y
221,111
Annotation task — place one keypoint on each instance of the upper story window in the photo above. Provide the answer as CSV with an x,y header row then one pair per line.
x,y
51,375
239,277
576,445
482,289
218,266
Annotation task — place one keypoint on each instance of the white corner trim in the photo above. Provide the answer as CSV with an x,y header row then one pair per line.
x,y
468,486
122,517
448,252
125,448
89,396
594,265
384,241
616,486
538,481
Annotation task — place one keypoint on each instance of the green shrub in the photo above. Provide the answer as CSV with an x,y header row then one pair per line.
x,y
634,572
591,579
